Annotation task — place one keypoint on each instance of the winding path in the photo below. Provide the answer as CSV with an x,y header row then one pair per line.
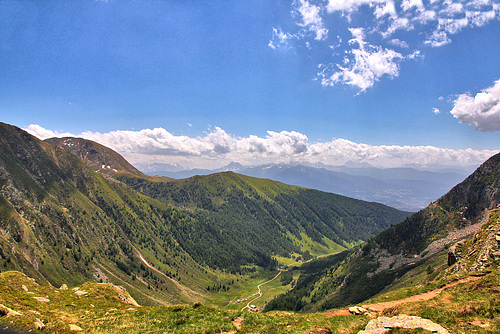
x,y
380,307
185,290
260,292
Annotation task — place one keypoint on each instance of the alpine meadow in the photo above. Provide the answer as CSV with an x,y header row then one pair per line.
x,y
289,166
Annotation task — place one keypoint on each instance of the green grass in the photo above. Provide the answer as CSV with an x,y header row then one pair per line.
x,y
245,287
101,310
472,307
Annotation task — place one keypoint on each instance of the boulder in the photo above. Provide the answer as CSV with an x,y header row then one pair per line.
x,y
357,310
39,324
76,328
80,292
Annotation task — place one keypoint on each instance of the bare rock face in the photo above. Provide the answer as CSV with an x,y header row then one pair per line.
x,y
482,251
124,296
455,253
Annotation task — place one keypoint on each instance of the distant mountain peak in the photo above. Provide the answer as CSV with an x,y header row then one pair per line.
x,y
356,164
233,166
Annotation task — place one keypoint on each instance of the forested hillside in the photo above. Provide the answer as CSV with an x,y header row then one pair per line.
x,y
237,220
239,216
61,222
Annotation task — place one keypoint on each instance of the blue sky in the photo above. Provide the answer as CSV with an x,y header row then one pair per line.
x,y
203,83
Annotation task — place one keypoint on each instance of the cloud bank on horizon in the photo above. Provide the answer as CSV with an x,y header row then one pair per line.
x,y
381,34
217,148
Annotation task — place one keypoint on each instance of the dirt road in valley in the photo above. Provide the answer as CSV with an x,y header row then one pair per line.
x,y
260,292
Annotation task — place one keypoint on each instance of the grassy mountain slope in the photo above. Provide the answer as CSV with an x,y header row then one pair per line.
x,y
237,220
469,307
61,222
100,158
416,243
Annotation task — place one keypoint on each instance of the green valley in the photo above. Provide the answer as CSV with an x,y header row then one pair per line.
x,y
134,253
67,219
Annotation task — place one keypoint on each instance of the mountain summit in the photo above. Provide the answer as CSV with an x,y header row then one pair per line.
x,y
99,157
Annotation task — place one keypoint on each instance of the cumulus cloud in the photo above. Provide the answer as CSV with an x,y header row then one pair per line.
x,y
363,66
482,111
349,6
400,43
436,111
216,148
43,133
422,23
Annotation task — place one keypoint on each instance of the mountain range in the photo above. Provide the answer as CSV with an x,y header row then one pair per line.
x,y
78,211
73,211
433,237
406,188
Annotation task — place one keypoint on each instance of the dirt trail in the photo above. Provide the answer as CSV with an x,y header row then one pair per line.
x,y
380,307
131,286
185,291
260,292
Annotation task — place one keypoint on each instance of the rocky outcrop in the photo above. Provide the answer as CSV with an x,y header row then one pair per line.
x,y
124,296
357,310
385,324
479,253
455,253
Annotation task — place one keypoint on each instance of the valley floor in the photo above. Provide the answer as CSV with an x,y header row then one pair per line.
x,y
464,306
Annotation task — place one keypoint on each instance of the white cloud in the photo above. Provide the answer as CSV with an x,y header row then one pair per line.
x,y
279,39
311,19
350,5
42,133
482,111
401,23
436,111
364,67
426,16
408,24
407,5
437,39
400,43
217,148
382,9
